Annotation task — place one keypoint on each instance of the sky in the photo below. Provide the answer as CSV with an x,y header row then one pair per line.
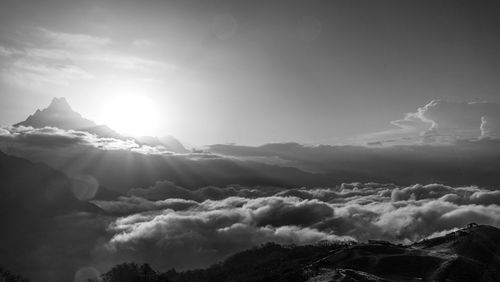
x,y
247,72
297,112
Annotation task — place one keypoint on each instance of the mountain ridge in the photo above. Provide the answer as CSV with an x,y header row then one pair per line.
x,y
468,254
60,114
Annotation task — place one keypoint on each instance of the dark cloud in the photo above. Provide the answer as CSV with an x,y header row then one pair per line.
x,y
167,189
281,212
130,205
463,162
122,165
162,190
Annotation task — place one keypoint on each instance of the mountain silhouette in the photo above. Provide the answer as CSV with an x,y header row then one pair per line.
x,y
60,114
43,232
468,254
37,189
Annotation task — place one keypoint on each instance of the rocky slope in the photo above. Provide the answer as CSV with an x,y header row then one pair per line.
x,y
469,254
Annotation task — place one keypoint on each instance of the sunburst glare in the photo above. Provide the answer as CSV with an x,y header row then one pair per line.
x,y
132,114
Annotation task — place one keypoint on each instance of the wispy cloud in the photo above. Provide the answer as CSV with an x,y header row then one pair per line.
x,y
26,71
128,62
61,58
442,121
74,40
37,67
7,52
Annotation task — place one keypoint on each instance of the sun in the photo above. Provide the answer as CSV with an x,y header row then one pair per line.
x,y
135,115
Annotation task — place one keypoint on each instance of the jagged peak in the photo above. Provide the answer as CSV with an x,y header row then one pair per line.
x,y
60,104
58,114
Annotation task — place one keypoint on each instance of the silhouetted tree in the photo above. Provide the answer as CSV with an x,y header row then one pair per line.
x,y
269,262
6,276
125,272
131,272
147,273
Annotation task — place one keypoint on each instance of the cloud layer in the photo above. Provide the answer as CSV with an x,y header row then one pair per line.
x,y
21,137
124,164
194,229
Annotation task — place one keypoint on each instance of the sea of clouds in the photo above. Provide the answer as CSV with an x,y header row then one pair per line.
x,y
176,227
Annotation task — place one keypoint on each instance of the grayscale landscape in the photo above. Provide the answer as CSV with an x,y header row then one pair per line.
x,y
342,140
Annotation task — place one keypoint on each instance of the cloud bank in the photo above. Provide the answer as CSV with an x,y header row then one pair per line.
x,y
124,164
21,137
195,229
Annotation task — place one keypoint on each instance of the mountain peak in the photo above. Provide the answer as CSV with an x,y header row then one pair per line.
x,y
60,104
58,114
